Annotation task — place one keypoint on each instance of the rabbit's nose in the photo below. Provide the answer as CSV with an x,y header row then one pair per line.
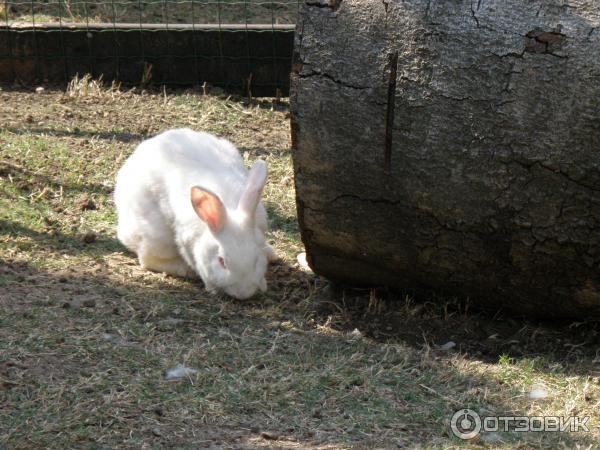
x,y
242,294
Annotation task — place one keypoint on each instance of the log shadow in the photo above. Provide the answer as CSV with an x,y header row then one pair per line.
x,y
280,222
421,320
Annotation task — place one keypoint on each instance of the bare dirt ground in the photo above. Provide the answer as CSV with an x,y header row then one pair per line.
x,y
86,336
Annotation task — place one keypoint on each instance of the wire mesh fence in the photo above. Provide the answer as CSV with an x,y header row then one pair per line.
x,y
152,11
234,44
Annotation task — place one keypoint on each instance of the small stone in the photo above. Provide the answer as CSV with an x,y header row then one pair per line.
x,y
538,393
269,435
156,432
90,237
302,262
89,303
86,203
448,345
355,334
82,301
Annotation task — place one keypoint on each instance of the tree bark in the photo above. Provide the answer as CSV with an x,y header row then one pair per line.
x,y
452,146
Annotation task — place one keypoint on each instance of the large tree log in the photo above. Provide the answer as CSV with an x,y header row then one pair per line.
x,y
452,146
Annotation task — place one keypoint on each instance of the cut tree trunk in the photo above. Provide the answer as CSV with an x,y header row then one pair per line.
x,y
452,146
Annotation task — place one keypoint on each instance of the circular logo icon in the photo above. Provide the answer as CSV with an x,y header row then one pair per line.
x,y
465,424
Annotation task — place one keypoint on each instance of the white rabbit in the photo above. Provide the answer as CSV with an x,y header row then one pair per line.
x,y
187,206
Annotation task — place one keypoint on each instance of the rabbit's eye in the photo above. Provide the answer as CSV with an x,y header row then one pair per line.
x,y
222,262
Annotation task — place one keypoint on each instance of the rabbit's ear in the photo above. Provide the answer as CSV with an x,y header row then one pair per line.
x,y
251,195
209,208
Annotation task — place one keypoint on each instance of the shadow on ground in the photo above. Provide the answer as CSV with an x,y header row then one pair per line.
x,y
84,352
385,315
27,180
120,136
483,335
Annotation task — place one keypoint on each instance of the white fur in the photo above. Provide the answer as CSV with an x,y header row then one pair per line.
x,y
158,222
180,371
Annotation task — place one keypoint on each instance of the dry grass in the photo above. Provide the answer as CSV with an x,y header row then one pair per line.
x,y
154,11
86,336
87,87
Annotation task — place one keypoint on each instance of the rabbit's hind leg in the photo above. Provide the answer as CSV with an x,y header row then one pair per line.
x,y
168,262
271,254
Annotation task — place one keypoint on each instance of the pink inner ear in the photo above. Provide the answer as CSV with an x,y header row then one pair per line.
x,y
209,208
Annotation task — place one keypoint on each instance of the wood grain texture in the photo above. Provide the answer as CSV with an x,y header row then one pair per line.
x,y
493,188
